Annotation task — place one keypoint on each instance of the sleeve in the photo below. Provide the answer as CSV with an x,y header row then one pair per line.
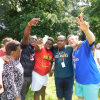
x,y
87,47
9,84
1,64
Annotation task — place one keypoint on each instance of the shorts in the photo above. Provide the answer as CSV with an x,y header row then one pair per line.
x,y
89,92
64,87
38,81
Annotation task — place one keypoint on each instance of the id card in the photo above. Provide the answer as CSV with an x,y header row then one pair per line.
x,y
63,64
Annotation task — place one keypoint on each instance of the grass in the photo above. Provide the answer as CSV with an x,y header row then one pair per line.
x,y
51,92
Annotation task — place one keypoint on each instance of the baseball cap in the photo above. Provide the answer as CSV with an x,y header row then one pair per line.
x,y
33,36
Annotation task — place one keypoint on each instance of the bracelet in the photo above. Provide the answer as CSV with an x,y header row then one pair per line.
x,y
29,24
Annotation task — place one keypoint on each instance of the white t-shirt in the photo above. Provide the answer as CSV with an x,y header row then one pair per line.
x,y
1,69
96,56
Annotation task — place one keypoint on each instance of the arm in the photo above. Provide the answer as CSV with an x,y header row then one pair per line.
x,y
55,46
51,69
84,26
25,39
79,44
6,60
17,98
37,47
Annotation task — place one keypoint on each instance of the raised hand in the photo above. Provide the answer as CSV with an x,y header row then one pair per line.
x,y
34,21
84,26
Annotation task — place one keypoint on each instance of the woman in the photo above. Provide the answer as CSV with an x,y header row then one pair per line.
x,y
12,74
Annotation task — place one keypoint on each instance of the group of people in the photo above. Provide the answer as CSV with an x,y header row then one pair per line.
x,y
26,64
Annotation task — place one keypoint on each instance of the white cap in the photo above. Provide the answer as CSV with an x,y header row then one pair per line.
x,y
34,36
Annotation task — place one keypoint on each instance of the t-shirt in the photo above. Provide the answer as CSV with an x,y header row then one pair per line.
x,y
1,69
27,59
43,60
59,71
1,53
85,68
96,56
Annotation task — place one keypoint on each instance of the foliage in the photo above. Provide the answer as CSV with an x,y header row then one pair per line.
x,y
94,18
52,14
57,17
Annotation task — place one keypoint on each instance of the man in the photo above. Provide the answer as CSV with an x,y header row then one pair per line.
x,y
2,54
12,75
86,72
43,63
5,41
97,56
63,69
27,56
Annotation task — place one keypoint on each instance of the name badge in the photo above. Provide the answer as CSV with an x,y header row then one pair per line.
x,y
63,64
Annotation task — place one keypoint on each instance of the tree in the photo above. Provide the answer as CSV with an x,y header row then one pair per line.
x,y
94,18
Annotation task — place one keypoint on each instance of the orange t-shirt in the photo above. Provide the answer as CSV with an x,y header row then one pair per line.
x,y
43,60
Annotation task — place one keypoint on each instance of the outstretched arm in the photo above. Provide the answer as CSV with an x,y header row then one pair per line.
x,y
25,39
84,26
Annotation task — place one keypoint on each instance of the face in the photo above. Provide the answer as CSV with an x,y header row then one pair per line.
x,y
17,53
32,41
48,45
73,41
61,42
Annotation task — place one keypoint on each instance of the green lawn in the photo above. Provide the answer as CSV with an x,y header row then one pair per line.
x,y
51,92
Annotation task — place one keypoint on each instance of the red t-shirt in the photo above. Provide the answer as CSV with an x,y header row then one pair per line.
x,y
43,60
1,53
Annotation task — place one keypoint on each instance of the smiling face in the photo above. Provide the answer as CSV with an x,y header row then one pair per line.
x,y
61,42
48,45
73,40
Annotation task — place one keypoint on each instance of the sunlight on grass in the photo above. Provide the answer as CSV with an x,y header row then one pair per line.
x,y
51,91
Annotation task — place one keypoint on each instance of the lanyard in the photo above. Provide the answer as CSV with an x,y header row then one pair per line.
x,y
75,53
60,54
74,58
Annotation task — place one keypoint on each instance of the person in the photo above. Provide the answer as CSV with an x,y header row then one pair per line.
x,y
12,75
97,56
86,73
1,83
93,50
3,59
5,41
63,69
27,56
43,63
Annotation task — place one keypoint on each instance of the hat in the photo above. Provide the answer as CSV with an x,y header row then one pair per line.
x,y
98,46
34,36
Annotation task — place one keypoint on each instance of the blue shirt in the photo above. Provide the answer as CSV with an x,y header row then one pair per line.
x,y
67,71
85,68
